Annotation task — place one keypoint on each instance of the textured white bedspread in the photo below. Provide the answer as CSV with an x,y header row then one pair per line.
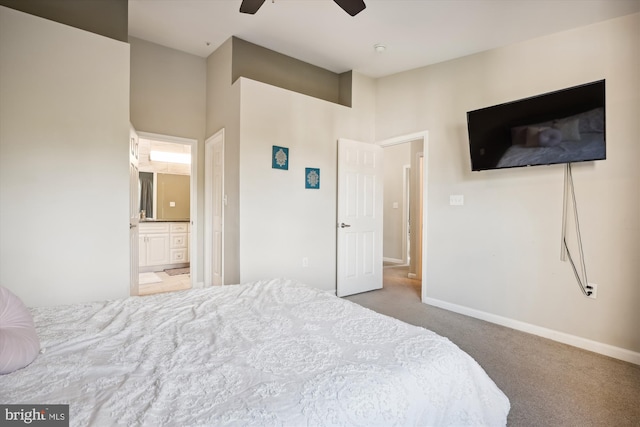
x,y
266,353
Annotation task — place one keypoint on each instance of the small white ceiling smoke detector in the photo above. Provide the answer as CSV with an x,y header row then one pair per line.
x,y
379,48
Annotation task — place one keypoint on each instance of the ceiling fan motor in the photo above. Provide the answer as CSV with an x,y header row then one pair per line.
x,y
352,7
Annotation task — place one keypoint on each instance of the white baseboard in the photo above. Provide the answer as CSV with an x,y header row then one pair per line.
x,y
583,343
393,260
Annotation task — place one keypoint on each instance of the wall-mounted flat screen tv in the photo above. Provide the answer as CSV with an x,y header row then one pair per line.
x,y
565,126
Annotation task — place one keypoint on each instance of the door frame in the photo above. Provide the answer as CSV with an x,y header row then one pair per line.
x,y
134,212
422,255
406,205
193,190
216,138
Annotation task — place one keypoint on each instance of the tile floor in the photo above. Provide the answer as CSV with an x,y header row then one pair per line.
x,y
168,284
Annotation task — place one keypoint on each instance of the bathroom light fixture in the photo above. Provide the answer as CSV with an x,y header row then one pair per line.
x,y
379,48
163,156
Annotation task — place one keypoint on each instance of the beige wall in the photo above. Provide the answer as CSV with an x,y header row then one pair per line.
x,y
105,17
260,115
64,189
168,90
498,256
280,221
264,65
168,97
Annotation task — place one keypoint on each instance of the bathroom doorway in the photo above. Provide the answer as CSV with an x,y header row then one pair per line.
x,y
168,208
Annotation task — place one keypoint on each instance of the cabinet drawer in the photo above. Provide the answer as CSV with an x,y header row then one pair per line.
x,y
179,227
178,255
151,227
178,240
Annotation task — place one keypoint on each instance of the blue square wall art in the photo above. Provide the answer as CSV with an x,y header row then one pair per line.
x,y
280,158
311,178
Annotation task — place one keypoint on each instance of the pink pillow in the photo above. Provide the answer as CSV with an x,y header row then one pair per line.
x,y
19,343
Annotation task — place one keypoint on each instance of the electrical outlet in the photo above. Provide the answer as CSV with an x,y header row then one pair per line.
x,y
456,200
594,290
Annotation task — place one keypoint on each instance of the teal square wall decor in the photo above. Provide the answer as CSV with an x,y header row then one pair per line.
x,y
312,178
280,158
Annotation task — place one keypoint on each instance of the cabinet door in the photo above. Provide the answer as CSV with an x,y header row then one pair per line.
x,y
158,249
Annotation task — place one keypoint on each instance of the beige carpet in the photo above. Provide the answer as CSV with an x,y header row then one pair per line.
x,y
548,383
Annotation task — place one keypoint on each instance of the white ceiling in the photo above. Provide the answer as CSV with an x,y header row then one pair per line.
x,y
416,32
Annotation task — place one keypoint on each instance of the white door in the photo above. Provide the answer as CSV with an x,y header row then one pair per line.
x,y
134,212
214,209
359,236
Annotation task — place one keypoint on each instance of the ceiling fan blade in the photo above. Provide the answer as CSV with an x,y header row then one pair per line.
x,y
352,7
250,6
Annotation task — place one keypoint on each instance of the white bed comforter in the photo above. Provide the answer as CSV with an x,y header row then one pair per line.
x,y
266,353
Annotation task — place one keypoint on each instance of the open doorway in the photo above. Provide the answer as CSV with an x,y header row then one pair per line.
x,y
404,195
167,190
